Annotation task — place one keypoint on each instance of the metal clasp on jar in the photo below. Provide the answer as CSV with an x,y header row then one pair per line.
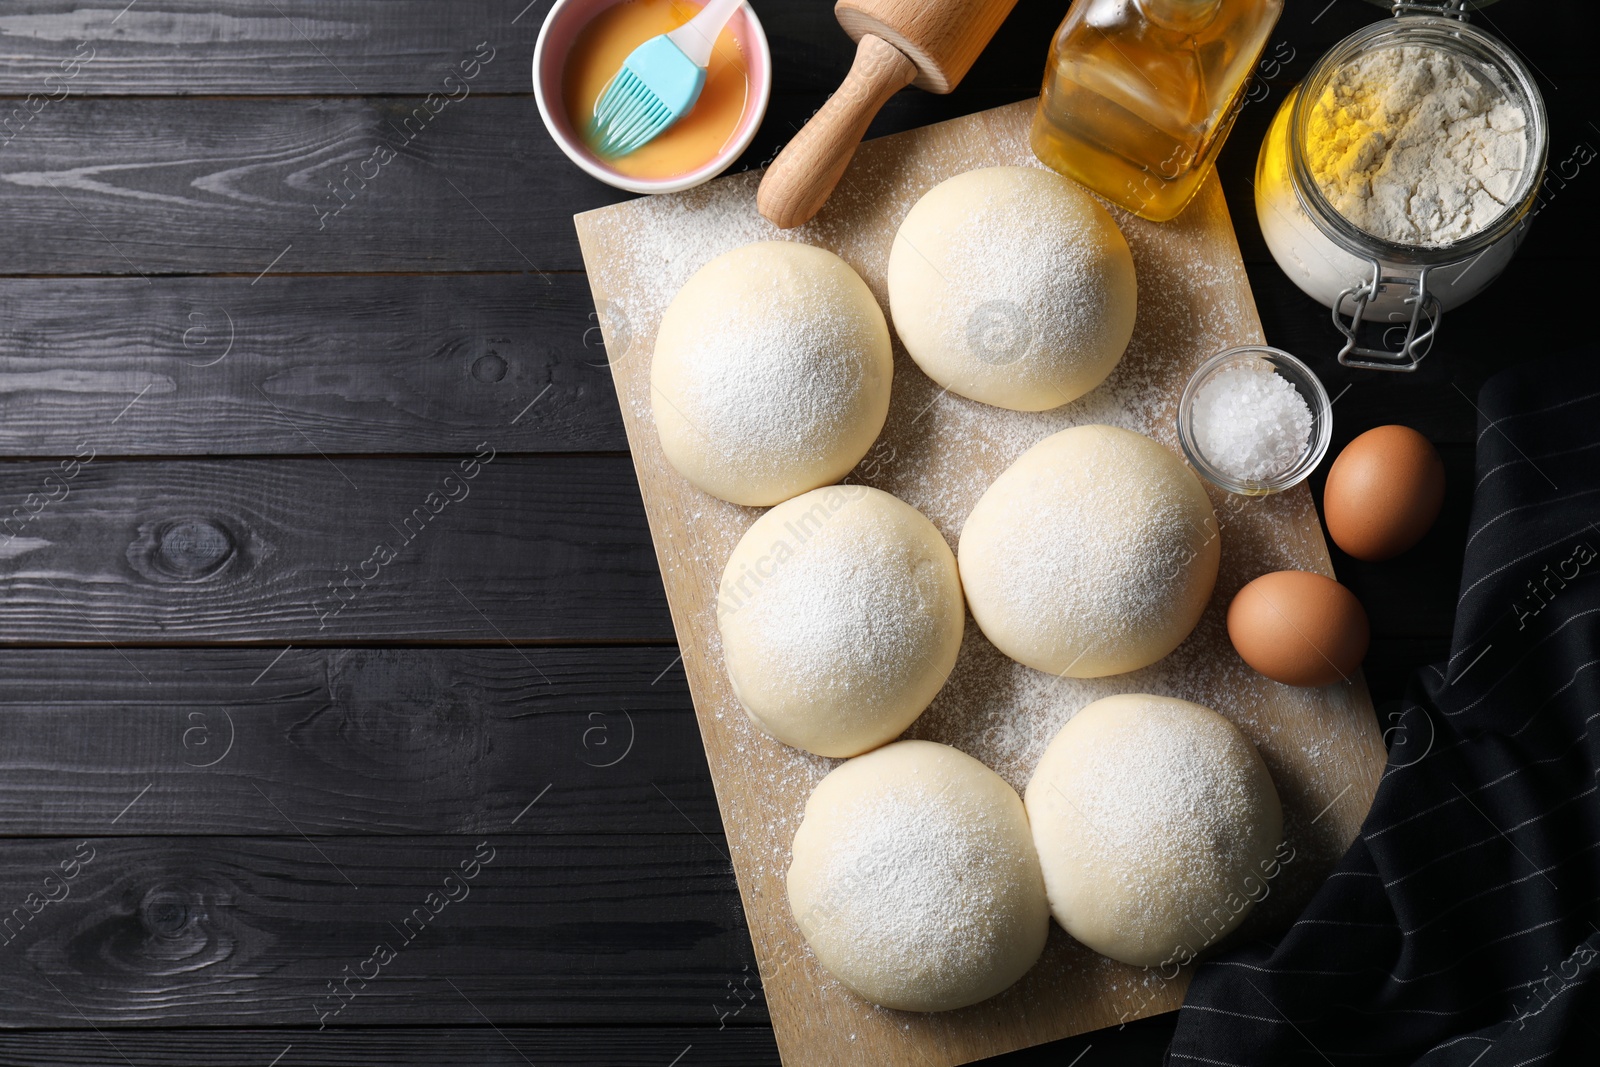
x,y
1423,304
1455,9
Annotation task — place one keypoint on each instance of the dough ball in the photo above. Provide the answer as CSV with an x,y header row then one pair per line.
x,y
1157,826
915,880
841,616
1093,554
771,373
1013,286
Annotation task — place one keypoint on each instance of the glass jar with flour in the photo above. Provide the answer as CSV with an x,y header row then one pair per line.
x,y
1396,181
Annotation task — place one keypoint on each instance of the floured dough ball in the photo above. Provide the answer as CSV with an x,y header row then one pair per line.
x,y
1157,826
1093,554
771,373
841,616
1013,286
915,881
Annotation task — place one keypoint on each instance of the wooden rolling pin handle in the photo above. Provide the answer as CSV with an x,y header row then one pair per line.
x,y
802,178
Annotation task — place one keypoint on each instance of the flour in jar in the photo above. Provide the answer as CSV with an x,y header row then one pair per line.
x,y
1417,146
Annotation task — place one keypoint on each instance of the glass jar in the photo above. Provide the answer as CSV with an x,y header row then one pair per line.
x,y
1305,382
1364,278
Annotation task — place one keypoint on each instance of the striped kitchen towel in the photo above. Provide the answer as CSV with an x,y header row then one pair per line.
x,y
1463,926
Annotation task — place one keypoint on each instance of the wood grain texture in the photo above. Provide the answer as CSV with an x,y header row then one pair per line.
x,y
247,931
323,550
238,186
335,47
405,47
411,1046
349,741
732,1044
229,186
354,364
938,452
147,187
72,723
943,37
806,171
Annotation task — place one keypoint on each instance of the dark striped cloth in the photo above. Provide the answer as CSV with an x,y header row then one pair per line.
x,y
1463,926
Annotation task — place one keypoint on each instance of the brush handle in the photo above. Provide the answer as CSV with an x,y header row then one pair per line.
x,y
698,37
802,178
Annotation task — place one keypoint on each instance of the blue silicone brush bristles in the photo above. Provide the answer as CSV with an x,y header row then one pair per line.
x,y
656,86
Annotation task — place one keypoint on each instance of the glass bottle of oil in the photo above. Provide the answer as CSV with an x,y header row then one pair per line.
x,y
1139,94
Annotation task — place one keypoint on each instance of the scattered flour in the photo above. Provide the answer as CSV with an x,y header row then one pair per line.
x,y
939,452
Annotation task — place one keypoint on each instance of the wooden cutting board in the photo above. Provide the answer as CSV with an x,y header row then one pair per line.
x,y
939,452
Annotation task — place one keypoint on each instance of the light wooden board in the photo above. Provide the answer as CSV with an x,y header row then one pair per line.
x,y
939,452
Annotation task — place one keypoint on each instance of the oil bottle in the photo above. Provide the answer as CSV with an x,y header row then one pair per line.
x,y
1139,94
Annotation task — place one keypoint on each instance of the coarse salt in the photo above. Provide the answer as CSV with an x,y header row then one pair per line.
x,y
1251,423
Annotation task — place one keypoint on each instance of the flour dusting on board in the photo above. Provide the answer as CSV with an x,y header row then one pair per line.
x,y
939,452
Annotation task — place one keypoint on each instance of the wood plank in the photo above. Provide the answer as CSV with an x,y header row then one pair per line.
x,y
266,46
340,47
326,551
375,740
398,740
157,186
432,363
342,741
409,364
939,452
423,1046
248,931
154,186
1141,1043
1391,664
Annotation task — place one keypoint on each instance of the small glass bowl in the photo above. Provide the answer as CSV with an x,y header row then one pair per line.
x,y
1301,377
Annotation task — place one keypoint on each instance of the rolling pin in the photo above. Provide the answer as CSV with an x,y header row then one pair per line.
x,y
927,43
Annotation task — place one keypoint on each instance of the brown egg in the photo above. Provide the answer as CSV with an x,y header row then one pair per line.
x,y
1299,628
1383,492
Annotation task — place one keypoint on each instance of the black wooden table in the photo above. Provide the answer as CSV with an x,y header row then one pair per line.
x,y
342,716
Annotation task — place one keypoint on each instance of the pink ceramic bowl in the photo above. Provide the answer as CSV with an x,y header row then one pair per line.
x,y
561,28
